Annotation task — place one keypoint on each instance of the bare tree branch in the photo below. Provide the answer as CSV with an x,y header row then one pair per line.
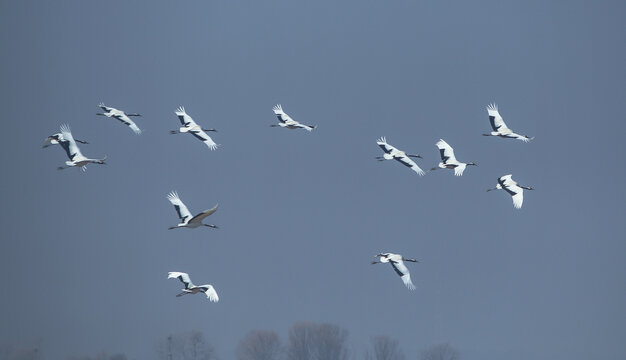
x,y
440,352
260,345
186,346
384,348
311,341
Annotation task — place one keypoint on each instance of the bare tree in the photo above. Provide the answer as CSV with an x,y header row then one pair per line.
x,y
260,345
440,352
330,342
311,341
197,348
384,348
21,352
163,348
186,346
101,356
300,341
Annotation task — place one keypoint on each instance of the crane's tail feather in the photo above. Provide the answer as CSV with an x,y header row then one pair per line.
x,y
492,107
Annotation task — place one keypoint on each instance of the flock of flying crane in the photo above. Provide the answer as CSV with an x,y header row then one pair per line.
x,y
448,161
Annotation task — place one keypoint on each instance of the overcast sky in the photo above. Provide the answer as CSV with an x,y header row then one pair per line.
x,y
85,256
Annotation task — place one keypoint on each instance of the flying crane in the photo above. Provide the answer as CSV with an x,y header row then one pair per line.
x,y
190,288
190,126
121,116
514,189
448,161
499,127
392,153
397,263
187,221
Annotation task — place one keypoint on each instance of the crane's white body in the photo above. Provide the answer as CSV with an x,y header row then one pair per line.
x,y
121,116
393,153
499,127
511,186
73,152
190,288
448,160
190,126
188,221
286,121
397,263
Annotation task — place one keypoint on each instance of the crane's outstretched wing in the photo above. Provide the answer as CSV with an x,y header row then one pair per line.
x,y
106,108
518,198
446,151
512,135
282,116
185,119
497,124
459,169
506,180
406,161
382,143
202,136
183,277
52,140
210,292
510,186
68,143
181,209
198,218
126,120
303,126
403,271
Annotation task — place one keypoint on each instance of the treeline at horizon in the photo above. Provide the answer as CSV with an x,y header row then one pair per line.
x,y
305,341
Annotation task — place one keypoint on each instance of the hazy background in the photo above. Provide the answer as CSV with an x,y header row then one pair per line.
x,y
85,256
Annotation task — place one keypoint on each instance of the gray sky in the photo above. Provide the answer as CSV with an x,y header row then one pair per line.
x,y
85,256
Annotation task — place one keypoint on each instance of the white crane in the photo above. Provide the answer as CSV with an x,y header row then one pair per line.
x,y
121,116
286,121
190,126
190,288
397,263
55,139
499,127
448,161
514,189
398,155
73,152
185,216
